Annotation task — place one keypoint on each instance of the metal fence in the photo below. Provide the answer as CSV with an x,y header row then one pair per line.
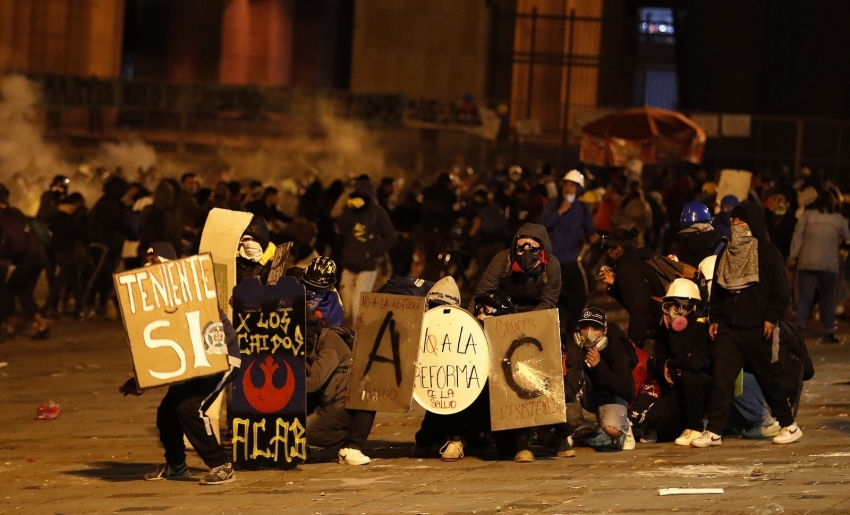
x,y
183,112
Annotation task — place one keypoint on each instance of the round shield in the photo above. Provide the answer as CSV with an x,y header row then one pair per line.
x,y
453,361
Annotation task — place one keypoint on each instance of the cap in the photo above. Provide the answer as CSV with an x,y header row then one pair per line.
x,y
593,316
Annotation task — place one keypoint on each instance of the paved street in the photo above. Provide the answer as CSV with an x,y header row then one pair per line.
x,y
92,457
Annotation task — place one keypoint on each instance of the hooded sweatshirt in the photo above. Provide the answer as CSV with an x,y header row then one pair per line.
x,y
635,286
444,291
530,291
765,301
367,231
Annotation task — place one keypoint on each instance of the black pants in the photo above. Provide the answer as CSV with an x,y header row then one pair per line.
x,y
181,412
68,280
573,297
335,425
734,349
470,422
100,288
21,286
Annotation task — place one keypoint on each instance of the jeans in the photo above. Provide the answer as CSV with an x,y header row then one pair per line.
x,y
351,285
809,281
751,405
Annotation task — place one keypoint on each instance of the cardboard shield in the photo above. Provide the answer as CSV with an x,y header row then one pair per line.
x,y
220,239
526,375
268,411
386,338
733,182
453,361
171,315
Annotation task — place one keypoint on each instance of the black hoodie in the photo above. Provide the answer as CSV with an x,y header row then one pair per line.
x,y
635,286
530,292
765,301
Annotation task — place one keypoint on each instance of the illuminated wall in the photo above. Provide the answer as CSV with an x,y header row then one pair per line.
x,y
432,49
81,37
544,79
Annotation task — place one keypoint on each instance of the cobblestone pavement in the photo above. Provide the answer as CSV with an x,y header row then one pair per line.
x,y
91,458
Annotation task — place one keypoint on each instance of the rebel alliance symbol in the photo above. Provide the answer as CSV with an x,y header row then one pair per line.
x,y
267,398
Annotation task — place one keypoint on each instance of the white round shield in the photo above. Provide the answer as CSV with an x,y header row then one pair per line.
x,y
453,360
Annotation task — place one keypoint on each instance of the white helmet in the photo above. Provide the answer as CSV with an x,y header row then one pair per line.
x,y
576,177
706,267
682,288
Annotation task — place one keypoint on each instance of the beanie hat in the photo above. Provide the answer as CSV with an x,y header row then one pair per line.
x,y
730,200
163,250
444,291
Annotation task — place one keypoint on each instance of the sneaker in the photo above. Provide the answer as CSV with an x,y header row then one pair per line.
x,y
565,448
706,439
452,451
788,435
598,438
348,456
180,472
687,436
757,432
219,475
649,436
628,440
830,338
524,456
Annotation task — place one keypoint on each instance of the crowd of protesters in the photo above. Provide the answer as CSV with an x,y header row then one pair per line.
x,y
703,352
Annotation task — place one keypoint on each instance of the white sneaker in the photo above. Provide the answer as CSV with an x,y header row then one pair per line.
x,y
768,431
629,440
348,456
788,435
687,436
706,439
452,450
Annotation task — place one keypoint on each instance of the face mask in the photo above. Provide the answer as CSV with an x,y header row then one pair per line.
x,y
741,232
528,261
592,339
571,198
676,317
313,300
780,209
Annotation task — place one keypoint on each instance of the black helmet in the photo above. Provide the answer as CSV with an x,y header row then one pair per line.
x,y
495,299
320,273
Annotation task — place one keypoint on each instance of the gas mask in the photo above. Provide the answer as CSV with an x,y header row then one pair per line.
x,y
313,299
677,314
780,209
593,338
527,257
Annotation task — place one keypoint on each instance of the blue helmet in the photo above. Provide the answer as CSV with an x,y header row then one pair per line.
x,y
694,213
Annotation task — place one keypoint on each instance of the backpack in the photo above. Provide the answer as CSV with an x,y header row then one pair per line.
x,y
406,286
669,270
13,235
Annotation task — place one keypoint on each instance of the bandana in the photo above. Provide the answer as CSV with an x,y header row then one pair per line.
x,y
739,265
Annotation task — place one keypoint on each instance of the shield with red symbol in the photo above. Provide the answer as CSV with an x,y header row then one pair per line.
x,y
269,403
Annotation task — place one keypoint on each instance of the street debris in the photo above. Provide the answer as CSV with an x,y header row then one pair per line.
x,y
689,491
47,412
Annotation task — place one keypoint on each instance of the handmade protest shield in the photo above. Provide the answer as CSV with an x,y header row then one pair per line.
x,y
170,312
453,361
269,404
386,338
222,232
526,375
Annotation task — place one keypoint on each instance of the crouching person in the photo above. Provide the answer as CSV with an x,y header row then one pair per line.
x,y
329,423
609,385
182,410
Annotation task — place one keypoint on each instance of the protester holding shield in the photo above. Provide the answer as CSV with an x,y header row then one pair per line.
x,y
182,410
531,276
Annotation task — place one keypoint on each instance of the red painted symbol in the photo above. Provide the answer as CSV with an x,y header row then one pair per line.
x,y
267,398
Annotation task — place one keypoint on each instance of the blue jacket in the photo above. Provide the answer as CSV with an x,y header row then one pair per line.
x,y
566,230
